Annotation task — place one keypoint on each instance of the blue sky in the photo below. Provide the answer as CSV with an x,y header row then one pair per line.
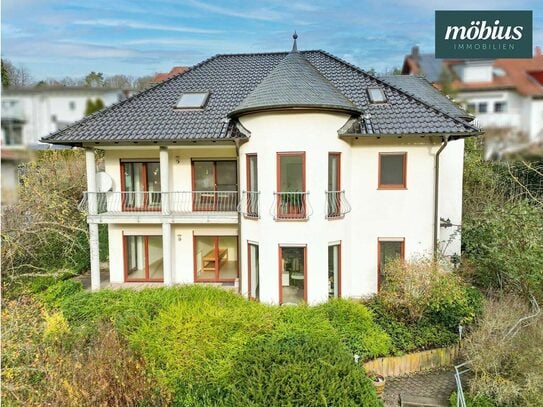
x,y
57,38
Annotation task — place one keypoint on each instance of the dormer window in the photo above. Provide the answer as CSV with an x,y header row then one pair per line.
x,y
192,100
376,95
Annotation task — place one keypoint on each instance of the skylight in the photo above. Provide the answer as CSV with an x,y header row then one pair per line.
x,y
376,95
192,100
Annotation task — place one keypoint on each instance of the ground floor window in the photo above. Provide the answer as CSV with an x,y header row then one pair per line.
x,y
292,275
388,250
334,271
254,271
143,258
215,258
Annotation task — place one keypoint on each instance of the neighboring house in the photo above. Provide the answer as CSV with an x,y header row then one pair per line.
x,y
162,76
289,176
28,114
504,93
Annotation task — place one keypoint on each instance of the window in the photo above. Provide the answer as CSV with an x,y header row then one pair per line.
x,y
471,108
215,258
388,250
292,275
192,100
143,258
376,95
334,185
334,271
392,170
13,134
254,271
500,107
483,107
72,105
252,186
140,184
214,185
291,185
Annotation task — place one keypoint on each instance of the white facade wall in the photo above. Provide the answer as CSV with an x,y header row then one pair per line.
x,y
403,214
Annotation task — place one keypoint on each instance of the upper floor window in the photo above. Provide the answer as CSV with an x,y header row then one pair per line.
x,y
214,185
13,134
376,95
483,107
140,184
471,108
333,196
72,105
500,107
192,100
291,185
252,185
392,170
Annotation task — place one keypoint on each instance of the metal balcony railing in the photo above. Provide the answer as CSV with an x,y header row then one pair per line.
x,y
249,205
180,202
291,206
336,205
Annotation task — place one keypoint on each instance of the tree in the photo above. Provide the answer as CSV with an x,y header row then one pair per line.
x,y
12,75
142,83
6,79
445,81
94,79
93,106
119,82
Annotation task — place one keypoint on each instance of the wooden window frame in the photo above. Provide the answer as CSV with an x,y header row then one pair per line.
x,y
403,185
217,278
287,216
380,240
337,213
146,259
338,244
249,269
195,206
281,247
145,207
249,213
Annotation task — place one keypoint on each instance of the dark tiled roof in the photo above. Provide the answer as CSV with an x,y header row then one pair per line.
x,y
294,82
151,116
430,66
425,91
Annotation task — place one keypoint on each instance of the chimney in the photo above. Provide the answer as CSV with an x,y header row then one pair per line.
x,y
415,52
537,51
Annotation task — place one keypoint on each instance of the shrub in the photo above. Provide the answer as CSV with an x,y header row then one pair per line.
x,y
56,293
354,323
506,367
56,327
299,365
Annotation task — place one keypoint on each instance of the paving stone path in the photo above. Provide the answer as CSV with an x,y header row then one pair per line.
x,y
433,384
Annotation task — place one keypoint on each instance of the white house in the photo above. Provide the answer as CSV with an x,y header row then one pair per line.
x,y
28,114
504,94
289,176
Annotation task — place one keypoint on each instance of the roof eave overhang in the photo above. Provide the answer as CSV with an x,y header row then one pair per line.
x,y
81,143
452,135
288,107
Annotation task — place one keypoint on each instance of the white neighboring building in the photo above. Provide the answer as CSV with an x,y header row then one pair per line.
x,y
290,177
28,114
505,94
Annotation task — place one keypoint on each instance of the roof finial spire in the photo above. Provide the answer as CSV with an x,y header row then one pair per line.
x,y
294,46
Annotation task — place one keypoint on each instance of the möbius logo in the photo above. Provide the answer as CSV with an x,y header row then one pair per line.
x,y
483,34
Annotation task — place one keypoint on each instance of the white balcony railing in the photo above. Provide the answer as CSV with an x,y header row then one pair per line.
x,y
181,202
336,204
291,206
249,206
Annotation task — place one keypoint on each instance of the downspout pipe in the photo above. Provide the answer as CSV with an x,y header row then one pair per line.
x,y
445,141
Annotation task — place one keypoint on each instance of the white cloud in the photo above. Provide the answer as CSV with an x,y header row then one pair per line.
x,y
105,22
264,14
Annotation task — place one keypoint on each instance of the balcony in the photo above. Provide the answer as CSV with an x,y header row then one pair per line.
x,y
249,205
336,205
152,207
291,206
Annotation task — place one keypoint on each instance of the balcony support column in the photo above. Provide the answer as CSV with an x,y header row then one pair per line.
x,y
93,227
165,204
167,253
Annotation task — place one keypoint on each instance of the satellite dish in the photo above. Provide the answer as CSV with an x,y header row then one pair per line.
x,y
104,183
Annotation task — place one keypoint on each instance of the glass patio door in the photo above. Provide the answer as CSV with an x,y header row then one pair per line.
x,y
254,272
214,185
140,186
291,185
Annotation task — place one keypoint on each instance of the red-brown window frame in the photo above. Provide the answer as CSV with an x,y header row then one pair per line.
x,y
124,193
403,185
339,268
249,270
337,213
278,171
380,240
146,257
281,247
248,157
195,207
217,279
